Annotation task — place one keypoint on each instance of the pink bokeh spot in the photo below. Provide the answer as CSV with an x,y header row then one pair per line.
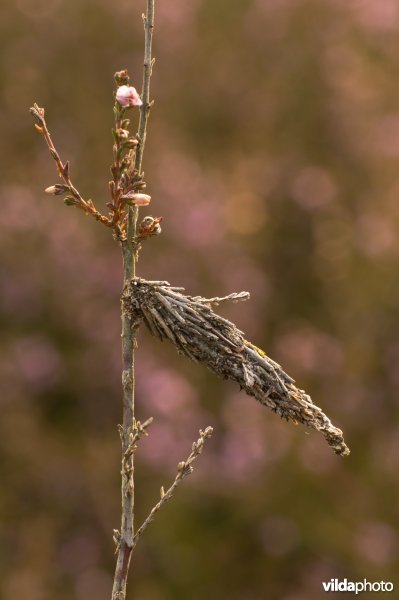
x,y
166,391
38,362
377,542
314,188
308,349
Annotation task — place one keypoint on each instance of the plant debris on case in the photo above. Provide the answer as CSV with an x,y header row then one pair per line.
x,y
205,337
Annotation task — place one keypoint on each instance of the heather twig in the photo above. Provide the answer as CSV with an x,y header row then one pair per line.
x,y
184,468
129,327
189,323
75,198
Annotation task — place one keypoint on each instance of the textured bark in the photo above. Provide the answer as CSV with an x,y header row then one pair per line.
x,y
129,327
196,331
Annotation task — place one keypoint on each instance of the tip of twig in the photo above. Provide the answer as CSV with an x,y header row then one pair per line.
x,y
207,433
147,422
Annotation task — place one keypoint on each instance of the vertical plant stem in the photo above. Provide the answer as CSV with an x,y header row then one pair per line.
x,y
129,328
148,20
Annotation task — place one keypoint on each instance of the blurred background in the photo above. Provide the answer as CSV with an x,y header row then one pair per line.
x,y
273,156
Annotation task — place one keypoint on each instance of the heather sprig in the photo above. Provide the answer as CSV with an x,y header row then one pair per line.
x,y
189,323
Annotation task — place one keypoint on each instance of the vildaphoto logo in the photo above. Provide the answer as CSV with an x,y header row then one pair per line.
x,y
335,585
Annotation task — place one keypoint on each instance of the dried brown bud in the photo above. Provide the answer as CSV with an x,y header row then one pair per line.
x,y
122,134
70,201
150,226
38,113
140,185
130,144
122,77
208,432
180,466
126,162
64,170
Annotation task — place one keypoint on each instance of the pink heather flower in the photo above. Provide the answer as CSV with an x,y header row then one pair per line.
x,y
127,95
137,199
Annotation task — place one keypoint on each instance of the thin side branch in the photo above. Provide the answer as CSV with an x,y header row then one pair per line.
x,y
63,169
139,430
234,297
184,468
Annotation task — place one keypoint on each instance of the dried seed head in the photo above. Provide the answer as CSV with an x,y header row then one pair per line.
x,y
122,77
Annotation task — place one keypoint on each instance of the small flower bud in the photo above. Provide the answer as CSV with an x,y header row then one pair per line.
x,y
127,95
130,144
150,226
122,77
134,199
181,466
69,201
57,189
122,134
65,170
